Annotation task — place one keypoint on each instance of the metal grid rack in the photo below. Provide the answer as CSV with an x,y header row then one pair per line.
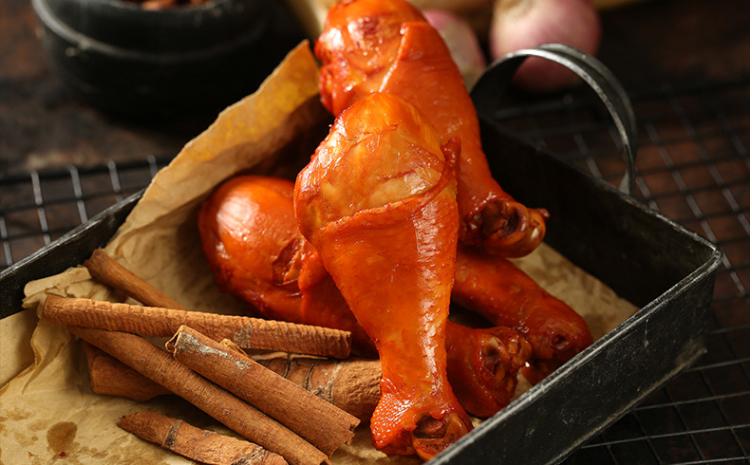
x,y
693,166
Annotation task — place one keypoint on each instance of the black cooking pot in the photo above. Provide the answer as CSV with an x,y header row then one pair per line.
x,y
124,58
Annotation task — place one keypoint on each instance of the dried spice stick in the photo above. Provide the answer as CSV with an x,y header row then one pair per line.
x,y
196,444
228,344
110,377
352,385
160,367
109,272
279,398
247,332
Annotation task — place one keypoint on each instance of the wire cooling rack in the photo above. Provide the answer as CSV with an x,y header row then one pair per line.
x,y
693,166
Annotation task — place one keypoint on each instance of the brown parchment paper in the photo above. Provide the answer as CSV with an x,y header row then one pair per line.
x,y
47,411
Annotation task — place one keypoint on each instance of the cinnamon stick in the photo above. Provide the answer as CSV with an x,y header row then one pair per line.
x,y
110,377
352,385
194,443
160,367
228,344
279,398
247,332
109,272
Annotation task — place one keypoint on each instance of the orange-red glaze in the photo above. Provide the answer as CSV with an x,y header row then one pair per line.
x,y
483,365
378,202
323,305
506,296
357,47
250,249
387,46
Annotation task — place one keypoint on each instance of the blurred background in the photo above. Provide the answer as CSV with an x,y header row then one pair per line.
x,y
44,123
97,95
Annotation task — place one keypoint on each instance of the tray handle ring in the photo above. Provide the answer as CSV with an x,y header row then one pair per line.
x,y
487,95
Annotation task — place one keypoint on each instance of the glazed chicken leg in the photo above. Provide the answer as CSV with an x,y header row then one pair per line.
x,y
251,249
483,366
503,294
322,304
387,46
482,363
378,202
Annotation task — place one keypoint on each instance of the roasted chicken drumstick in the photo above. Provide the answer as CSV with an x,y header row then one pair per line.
x,y
500,292
387,46
251,249
378,202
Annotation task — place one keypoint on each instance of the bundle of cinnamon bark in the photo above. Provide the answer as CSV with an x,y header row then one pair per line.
x,y
204,363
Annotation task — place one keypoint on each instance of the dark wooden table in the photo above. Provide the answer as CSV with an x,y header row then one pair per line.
x,y
43,125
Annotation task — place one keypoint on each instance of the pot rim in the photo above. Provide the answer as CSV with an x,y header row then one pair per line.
x,y
133,7
85,43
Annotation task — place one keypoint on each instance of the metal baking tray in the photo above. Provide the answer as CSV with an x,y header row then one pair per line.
x,y
665,270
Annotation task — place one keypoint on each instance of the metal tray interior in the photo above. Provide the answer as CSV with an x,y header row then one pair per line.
x,y
636,251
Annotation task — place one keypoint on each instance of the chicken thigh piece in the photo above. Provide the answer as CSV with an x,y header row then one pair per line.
x,y
387,46
378,202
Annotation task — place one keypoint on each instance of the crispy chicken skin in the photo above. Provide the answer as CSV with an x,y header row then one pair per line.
x,y
506,296
387,46
378,202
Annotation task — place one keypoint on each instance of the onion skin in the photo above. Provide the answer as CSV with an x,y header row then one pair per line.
x,y
462,43
521,24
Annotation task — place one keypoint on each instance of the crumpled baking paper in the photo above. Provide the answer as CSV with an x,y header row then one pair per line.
x,y
49,415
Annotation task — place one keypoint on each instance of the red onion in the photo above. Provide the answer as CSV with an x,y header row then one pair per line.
x,y
527,23
462,44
